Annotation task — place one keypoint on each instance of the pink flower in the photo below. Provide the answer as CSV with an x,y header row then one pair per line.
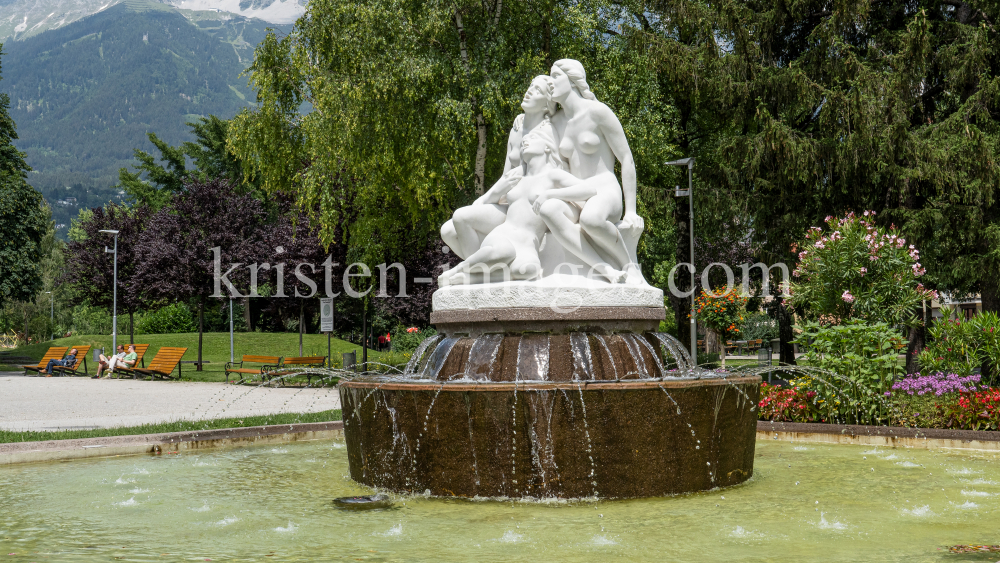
x,y
864,271
847,297
820,245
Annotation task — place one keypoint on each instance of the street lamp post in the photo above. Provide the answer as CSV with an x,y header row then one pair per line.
x,y
52,313
689,163
114,305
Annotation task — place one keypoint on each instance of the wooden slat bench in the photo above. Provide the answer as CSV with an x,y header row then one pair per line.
x,y
53,353
247,373
296,365
162,365
81,359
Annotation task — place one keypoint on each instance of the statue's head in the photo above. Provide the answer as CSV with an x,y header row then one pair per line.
x,y
538,98
541,141
568,76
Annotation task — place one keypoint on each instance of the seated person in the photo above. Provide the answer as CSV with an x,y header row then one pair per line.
x,y
129,360
69,361
512,248
106,363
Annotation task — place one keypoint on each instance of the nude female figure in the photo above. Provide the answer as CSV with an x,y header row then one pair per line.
x,y
514,244
592,140
464,232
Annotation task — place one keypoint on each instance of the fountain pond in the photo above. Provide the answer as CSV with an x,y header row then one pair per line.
x,y
803,503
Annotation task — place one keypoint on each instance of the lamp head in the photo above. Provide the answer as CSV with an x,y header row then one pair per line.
x,y
109,231
689,162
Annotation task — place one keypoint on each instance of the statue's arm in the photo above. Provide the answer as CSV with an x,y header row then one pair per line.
x,y
511,166
615,135
568,187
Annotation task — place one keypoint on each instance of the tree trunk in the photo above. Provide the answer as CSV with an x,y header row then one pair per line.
x,y
201,328
131,327
786,350
246,314
713,342
302,322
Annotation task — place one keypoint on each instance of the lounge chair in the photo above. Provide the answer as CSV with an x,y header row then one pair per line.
x,y
53,353
140,352
295,366
267,363
162,365
81,359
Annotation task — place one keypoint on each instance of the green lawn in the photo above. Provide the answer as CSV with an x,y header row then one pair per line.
x,y
216,349
7,436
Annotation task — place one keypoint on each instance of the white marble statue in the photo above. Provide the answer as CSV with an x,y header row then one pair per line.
x,y
465,231
510,251
557,225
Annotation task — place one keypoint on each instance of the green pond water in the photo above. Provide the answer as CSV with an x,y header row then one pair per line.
x,y
804,503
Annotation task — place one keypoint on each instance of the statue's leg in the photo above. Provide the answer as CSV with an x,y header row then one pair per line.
x,y
596,221
450,237
499,252
472,223
561,219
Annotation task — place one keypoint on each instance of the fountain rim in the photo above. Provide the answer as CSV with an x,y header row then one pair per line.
x,y
589,385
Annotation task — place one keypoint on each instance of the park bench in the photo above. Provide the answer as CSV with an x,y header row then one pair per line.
x,y
295,366
81,359
162,365
140,352
245,373
53,353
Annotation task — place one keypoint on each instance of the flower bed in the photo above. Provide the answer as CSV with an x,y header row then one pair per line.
x,y
933,401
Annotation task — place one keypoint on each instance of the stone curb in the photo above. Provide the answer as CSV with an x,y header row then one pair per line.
x,y
167,443
887,436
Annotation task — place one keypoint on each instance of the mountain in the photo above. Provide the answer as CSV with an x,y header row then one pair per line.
x,y
20,19
84,95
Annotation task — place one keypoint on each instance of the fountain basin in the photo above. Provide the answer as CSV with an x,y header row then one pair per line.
x,y
605,439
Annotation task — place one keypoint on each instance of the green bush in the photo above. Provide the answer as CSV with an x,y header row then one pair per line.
x,y
91,320
861,361
403,341
758,326
171,319
857,270
959,346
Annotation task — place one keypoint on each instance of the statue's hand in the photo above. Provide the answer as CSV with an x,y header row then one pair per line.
x,y
539,201
632,222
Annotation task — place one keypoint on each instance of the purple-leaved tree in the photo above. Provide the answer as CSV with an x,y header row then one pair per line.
x,y
90,269
176,259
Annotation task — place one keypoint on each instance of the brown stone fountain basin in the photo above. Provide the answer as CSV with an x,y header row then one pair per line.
x,y
621,439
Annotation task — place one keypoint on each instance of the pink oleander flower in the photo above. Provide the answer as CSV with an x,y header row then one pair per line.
x,y
820,245
864,271
847,297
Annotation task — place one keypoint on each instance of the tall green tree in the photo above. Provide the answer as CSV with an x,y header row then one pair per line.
x,y
806,109
409,103
22,217
153,184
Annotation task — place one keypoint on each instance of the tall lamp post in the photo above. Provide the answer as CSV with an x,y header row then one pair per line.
x,y
678,192
52,313
114,305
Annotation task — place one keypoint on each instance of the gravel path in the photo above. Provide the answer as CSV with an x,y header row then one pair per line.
x,y
63,403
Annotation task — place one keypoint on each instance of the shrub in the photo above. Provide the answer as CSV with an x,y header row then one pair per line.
x,y
858,270
859,363
91,320
171,319
787,405
959,346
406,340
974,410
759,326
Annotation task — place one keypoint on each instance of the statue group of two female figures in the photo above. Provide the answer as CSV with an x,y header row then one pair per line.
x,y
558,180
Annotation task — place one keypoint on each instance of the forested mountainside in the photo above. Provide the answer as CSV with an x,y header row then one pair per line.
x,y
84,95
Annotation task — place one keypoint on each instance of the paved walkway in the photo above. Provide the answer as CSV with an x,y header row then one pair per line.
x,y
63,403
